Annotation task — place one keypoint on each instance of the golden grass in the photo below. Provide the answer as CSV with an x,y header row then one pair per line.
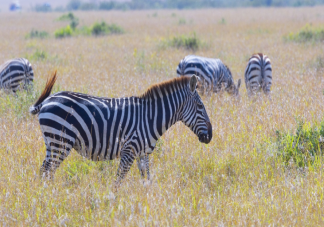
x,y
236,180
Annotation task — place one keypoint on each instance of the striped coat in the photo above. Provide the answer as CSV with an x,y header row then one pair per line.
x,y
213,74
15,74
258,74
107,128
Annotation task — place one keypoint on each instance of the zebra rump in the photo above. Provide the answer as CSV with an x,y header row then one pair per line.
x,y
258,74
15,74
213,73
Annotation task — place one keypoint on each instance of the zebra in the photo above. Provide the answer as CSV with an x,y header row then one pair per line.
x,y
100,128
14,73
258,74
212,73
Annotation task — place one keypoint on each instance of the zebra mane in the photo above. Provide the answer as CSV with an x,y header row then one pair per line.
x,y
155,88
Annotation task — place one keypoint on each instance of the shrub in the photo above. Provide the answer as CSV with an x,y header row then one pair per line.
x,y
187,42
37,34
304,146
67,17
63,32
306,34
104,29
74,21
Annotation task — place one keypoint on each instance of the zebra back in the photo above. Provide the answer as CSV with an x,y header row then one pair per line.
x,y
213,73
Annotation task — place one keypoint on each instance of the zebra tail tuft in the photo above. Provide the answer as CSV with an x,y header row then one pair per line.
x,y
46,92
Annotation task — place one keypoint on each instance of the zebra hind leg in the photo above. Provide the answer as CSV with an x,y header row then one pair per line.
x,y
54,157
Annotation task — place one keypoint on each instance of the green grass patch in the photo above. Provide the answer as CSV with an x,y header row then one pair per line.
x,y
67,17
307,34
304,147
191,42
37,34
64,32
102,28
38,55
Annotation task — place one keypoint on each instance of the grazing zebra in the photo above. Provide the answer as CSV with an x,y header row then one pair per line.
x,y
14,73
107,128
258,74
212,73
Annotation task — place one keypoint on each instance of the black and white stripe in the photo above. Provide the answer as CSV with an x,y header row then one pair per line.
x,y
212,72
106,128
15,74
258,74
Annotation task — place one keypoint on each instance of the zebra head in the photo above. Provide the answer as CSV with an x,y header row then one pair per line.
x,y
194,114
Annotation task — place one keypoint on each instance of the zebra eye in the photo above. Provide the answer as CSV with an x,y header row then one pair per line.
x,y
200,105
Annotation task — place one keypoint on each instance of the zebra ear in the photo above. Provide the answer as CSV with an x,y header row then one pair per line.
x,y
193,83
238,84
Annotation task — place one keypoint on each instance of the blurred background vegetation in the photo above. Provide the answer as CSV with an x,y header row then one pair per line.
x,y
172,4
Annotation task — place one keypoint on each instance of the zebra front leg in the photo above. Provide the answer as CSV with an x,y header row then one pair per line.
x,y
144,164
126,161
141,166
147,166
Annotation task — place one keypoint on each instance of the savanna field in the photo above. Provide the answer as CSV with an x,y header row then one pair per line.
x,y
241,178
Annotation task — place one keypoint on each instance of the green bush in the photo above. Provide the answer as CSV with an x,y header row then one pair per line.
x,y
74,21
306,34
64,32
183,41
67,17
105,29
304,147
37,34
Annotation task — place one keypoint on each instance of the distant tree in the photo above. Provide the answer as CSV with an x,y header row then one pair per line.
x,y
74,5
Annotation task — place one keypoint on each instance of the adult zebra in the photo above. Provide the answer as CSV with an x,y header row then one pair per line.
x,y
16,72
258,74
212,73
106,128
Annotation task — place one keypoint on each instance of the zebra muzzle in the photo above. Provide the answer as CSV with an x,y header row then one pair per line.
x,y
206,136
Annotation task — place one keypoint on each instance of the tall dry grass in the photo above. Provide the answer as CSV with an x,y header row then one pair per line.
x,y
236,180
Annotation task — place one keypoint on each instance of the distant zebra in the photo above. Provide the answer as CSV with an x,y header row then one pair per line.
x,y
14,73
106,128
258,74
212,73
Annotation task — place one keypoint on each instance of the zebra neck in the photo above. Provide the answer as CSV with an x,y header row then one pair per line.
x,y
166,107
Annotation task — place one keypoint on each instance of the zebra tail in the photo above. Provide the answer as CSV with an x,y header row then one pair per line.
x,y
46,92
